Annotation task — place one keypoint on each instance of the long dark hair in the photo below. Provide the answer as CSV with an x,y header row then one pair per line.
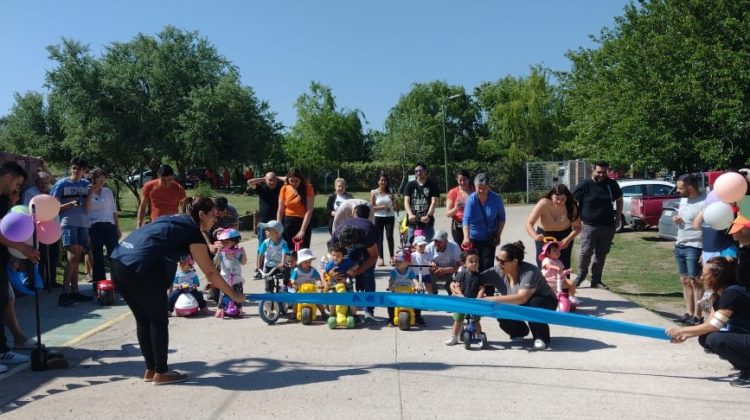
x,y
514,250
297,173
722,273
382,174
196,205
571,206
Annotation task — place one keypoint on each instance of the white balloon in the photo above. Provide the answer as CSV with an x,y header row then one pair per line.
x,y
16,253
718,215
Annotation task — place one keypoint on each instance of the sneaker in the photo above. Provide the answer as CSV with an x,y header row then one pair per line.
x,y
65,299
149,375
516,339
3,368
573,300
579,280
12,358
420,321
369,317
452,341
257,275
28,344
692,321
539,344
78,297
599,285
171,377
741,381
684,318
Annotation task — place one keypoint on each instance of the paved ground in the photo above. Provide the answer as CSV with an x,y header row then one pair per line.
x,y
244,368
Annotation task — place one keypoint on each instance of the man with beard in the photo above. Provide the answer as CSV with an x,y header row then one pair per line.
x,y
595,197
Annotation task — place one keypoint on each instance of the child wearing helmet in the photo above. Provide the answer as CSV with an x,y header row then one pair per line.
x,y
186,281
401,275
555,272
229,260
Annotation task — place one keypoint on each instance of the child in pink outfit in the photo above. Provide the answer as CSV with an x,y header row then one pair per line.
x,y
555,272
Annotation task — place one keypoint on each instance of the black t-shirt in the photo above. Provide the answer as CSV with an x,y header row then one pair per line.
x,y
4,207
595,200
470,283
268,202
166,238
366,233
737,299
715,240
420,197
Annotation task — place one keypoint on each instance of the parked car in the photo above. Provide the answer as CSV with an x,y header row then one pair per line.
x,y
138,178
640,188
667,226
194,176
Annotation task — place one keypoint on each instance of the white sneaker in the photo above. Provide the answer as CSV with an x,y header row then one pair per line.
x,y
12,358
573,300
452,341
3,368
539,344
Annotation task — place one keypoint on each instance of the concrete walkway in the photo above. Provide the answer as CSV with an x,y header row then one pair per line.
x,y
245,368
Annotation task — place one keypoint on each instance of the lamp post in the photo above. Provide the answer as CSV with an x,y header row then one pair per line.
x,y
445,148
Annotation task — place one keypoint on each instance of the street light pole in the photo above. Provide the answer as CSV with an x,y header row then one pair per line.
x,y
445,148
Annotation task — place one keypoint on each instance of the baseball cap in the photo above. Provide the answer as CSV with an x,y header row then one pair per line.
x,y
272,224
420,240
440,235
304,254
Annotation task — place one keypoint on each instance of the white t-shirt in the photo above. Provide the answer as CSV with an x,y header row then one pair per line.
x,y
448,258
383,199
687,235
421,259
102,207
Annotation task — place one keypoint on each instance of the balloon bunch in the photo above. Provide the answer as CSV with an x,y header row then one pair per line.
x,y
19,224
727,198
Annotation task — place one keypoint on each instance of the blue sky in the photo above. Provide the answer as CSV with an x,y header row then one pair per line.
x,y
368,52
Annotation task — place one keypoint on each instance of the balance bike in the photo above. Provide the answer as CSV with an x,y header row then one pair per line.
x,y
469,333
563,302
343,317
404,317
270,311
306,312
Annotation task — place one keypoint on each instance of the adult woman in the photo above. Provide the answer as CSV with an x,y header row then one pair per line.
x,y
335,200
105,228
525,286
138,267
559,217
296,201
455,203
727,332
384,205
483,222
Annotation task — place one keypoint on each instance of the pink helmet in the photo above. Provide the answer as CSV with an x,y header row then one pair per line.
x,y
229,234
546,247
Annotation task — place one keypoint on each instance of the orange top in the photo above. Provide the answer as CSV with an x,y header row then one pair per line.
x,y
164,201
293,202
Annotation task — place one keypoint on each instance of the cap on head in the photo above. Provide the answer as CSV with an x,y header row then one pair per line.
x,y
420,240
402,257
273,225
226,234
304,254
440,235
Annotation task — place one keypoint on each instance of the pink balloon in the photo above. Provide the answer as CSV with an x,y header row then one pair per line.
x,y
48,232
17,227
710,198
46,207
730,187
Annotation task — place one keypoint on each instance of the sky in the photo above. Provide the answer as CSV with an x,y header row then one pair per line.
x,y
368,52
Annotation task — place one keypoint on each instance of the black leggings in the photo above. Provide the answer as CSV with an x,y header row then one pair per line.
x,y
734,347
292,225
385,223
146,295
538,331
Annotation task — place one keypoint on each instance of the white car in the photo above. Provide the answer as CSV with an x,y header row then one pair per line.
x,y
140,178
643,187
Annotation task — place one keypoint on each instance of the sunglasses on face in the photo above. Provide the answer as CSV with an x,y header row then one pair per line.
x,y
502,261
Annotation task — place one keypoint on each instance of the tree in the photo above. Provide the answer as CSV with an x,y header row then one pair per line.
x,y
30,128
323,136
667,87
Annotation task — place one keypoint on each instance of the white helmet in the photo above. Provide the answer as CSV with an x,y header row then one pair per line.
x,y
186,305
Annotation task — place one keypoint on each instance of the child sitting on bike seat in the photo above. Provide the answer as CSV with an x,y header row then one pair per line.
x,y
185,281
554,271
467,284
273,250
305,273
401,276
341,260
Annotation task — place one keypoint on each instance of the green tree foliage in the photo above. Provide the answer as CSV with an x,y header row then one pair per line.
x,y
32,128
668,86
414,127
324,136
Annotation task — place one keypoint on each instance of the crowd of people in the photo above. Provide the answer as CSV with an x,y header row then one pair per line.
x,y
474,264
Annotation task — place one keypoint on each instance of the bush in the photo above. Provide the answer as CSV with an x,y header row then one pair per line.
x,y
203,189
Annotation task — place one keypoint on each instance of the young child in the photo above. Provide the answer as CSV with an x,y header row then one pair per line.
x,y
555,272
341,264
273,250
229,260
305,273
186,281
423,261
401,275
467,284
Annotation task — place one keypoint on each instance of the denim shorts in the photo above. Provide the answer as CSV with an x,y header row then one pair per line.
x,y
688,261
75,235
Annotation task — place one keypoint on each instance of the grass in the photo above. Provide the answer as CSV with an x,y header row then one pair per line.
x,y
641,268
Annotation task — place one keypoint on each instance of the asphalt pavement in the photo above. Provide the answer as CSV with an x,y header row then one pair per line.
x,y
246,369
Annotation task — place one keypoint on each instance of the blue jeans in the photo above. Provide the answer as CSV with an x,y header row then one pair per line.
x,y
102,234
688,261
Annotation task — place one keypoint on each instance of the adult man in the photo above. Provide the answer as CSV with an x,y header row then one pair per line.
x,y
73,193
226,215
50,254
162,195
688,246
268,189
595,197
420,200
446,259
12,176
359,235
